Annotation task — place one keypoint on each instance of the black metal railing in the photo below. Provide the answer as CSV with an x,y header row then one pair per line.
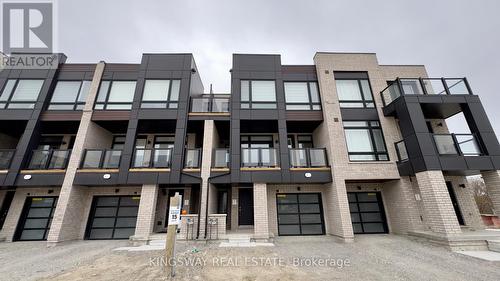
x,y
209,104
49,159
401,151
6,156
152,158
259,157
192,158
457,144
101,159
425,86
308,158
221,158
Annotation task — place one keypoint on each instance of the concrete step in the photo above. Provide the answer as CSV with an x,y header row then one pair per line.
x,y
239,240
494,245
156,242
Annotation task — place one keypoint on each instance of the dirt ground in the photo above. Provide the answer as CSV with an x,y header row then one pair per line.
x,y
371,257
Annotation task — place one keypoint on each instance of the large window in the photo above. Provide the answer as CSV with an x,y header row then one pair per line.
x,y
258,94
69,95
20,94
365,141
354,93
115,95
302,96
161,94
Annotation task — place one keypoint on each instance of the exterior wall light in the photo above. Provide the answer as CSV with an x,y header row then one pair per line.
x,y
27,177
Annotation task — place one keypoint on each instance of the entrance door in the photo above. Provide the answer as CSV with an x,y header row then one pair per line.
x,y
367,212
171,193
36,219
454,201
245,206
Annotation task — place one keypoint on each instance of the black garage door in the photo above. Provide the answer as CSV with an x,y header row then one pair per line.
x,y
36,219
367,212
113,217
300,214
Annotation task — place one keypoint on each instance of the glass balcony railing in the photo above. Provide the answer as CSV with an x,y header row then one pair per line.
x,y
457,144
49,159
192,158
308,158
221,158
152,158
101,159
259,157
425,86
401,151
209,104
6,156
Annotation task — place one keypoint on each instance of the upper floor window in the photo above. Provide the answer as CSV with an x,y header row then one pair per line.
x,y
69,95
161,94
302,96
115,95
258,94
20,93
365,141
354,93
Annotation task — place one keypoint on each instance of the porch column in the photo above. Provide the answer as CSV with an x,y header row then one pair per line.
x,y
439,210
492,181
146,214
206,163
338,216
260,216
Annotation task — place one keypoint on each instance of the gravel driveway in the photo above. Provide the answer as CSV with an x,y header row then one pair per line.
x,y
371,257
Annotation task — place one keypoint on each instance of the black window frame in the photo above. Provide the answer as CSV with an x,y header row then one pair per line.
x,y
310,103
370,128
298,213
5,104
106,101
250,101
168,101
75,104
24,216
363,101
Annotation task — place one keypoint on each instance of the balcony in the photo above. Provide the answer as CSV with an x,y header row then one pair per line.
x,y
52,159
221,158
308,158
101,159
259,158
425,86
192,159
6,156
152,158
457,144
209,105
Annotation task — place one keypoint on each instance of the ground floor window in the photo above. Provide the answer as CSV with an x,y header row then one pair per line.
x,y
300,214
367,212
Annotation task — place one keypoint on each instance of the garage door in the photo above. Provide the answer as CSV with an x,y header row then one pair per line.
x,y
300,214
113,217
367,212
36,218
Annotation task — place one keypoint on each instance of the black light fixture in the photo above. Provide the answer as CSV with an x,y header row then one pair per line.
x,y
50,191
117,190
298,188
358,187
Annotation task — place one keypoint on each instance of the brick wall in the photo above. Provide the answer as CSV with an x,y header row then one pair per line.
x,y
492,181
218,230
146,214
260,214
466,202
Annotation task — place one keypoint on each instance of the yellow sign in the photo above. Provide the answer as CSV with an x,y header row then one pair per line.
x,y
36,199
372,194
136,198
281,195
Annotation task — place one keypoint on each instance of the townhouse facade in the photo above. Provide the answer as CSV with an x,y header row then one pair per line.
x,y
342,147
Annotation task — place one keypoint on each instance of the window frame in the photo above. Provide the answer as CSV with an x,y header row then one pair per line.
x,y
250,101
311,104
168,101
5,104
106,101
370,129
76,103
363,100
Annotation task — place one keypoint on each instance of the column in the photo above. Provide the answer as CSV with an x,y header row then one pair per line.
x,y
492,181
441,217
146,214
338,214
206,163
260,216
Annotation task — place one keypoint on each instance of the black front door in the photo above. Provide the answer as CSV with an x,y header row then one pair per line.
x,y
245,207
454,201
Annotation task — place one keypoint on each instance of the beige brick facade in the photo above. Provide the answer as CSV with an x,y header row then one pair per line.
x,y
260,214
492,181
147,210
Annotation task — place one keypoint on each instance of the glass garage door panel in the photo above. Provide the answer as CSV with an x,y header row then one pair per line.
x,y
300,214
367,212
113,217
36,218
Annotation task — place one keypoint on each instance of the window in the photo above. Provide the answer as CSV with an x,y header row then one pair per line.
x,y
118,142
69,95
20,94
161,94
354,93
303,141
116,95
259,94
302,96
365,141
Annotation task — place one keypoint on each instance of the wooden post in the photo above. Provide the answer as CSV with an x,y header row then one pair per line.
x,y
173,222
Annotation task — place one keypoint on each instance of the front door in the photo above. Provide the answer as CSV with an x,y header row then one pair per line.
x,y
454,201
245,206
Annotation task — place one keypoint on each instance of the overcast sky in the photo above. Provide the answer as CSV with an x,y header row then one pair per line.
x,y
452,38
